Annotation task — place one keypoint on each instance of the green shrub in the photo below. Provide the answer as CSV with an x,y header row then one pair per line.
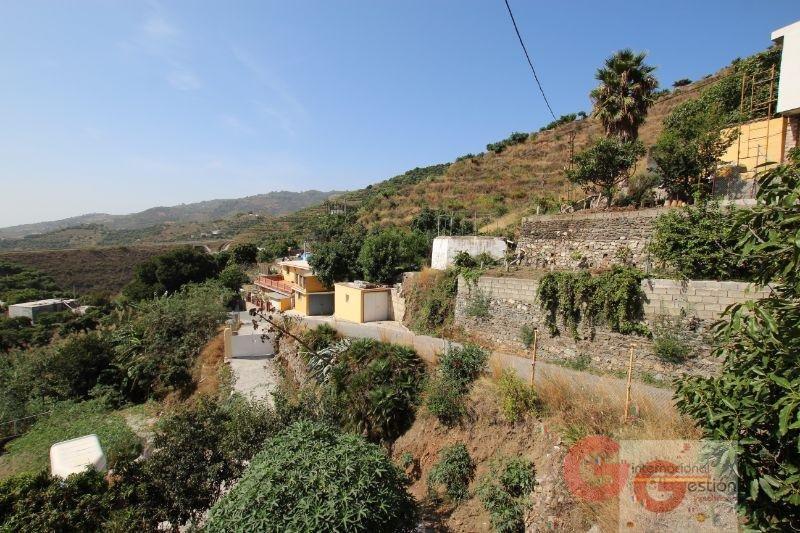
x,y
504,493
38,502
698,242
312,478
376,386
431,301
445,399
669,342
387,254
320,337
463,365
478,304
516,397
453,473
526,335
514,138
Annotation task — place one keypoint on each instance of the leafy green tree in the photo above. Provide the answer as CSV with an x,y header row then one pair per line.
x,y
698,242
625,93
689,148
276,249
155,350
338,241
755,401
232,277
515,138
605,165
22,284
168,272
196,449
313,478
387,254
244,253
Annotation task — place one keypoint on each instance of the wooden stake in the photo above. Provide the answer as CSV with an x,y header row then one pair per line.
x,y
628,388
533,356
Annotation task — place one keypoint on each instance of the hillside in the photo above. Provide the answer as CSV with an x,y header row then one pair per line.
x,y
87,270
494,186
269,204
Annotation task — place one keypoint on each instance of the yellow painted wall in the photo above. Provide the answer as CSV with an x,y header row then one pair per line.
x,y
284,304
301,303
347,303
759,141
313,284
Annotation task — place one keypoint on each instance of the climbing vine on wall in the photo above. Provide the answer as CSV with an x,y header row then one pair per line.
x,y
613,298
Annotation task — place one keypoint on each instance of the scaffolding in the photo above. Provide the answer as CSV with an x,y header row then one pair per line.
x,y
757,130
757,105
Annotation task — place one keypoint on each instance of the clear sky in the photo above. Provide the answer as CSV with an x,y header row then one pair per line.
x,y
117,106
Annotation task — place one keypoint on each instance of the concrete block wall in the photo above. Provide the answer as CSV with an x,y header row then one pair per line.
x,y
582,240
513,305
706,300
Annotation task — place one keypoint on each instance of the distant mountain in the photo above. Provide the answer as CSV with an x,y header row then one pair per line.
x,y
270,204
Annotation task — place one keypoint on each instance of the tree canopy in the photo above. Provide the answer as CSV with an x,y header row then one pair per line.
x,y
626,91
605,165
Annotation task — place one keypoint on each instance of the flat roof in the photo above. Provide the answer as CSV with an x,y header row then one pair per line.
x,y
296,263
363,286
42,303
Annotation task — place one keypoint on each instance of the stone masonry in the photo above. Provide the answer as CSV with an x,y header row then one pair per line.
x,y
585,240
512,306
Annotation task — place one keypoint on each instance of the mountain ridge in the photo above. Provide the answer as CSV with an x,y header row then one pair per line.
x,y
275,203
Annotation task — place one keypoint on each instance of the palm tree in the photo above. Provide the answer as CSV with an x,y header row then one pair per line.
x,y
626,91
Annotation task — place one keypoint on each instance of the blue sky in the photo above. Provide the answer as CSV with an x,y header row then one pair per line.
x,y
117,106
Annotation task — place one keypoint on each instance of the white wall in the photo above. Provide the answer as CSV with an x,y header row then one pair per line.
x,y
251,345
376,306
789,84
445,249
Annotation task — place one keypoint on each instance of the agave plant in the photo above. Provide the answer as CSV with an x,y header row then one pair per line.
x,y
321,362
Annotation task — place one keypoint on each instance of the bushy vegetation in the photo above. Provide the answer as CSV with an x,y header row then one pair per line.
x,y
168,272
149,354
613,298
337,244
196,450
700,242
564,119
505,492
375,388
276,249
432,221
449,478
517,398
478,304
605,165
244,253
431,302
690,146
754,402
669,339
446,391
388,253
22,284
20,332
511,140
154,351
313,478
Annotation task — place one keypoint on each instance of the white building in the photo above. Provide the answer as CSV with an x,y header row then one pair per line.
x,y
34,309
445,249
789,82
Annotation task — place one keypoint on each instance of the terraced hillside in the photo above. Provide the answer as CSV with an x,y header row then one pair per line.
x,y
498,186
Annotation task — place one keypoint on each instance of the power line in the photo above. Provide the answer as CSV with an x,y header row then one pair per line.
x,y
528,57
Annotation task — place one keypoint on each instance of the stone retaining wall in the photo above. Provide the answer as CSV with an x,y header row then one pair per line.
x,y
583,240
694,304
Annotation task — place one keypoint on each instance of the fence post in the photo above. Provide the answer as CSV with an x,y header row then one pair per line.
x,y
628,386
533,356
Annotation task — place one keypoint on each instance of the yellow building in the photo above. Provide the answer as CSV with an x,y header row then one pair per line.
x,y
758,142
362,302
297,288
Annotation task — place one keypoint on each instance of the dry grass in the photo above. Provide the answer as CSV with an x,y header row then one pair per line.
x,y
207,368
